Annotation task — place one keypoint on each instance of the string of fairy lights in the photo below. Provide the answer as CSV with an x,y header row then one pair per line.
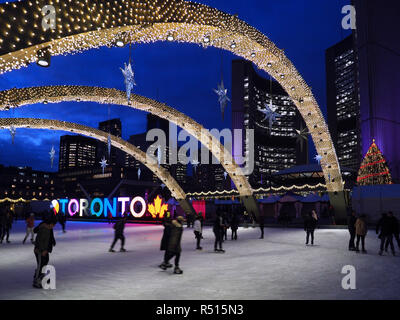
x,y
83,24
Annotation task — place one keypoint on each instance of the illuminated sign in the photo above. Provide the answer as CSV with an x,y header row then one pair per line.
x,y
101,206
158,208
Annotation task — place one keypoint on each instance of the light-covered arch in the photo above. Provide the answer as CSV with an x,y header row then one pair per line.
x,y
159,171
84,24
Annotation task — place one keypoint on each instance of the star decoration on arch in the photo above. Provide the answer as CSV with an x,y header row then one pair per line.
x,y
269,114
103,164
318,158
129,79
13,131
302,135
195,163
222,97
52,154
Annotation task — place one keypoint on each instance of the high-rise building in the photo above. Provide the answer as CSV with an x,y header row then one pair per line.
x,y
77,152
275,147
343,102
378,48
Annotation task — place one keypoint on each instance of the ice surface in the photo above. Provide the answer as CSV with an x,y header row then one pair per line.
x,y
278,267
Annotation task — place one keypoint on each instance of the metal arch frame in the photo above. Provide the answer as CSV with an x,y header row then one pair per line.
x,y
119,143
54,94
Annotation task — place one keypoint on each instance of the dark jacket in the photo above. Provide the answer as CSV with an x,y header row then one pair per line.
x,y
119,227
174,242
218,224
387,226
351,223
310,223
166,234
44,239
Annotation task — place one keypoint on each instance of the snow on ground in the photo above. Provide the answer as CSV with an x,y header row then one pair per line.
x,y
278,267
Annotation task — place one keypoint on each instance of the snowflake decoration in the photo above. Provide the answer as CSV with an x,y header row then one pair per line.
x,y
103,164
129,79
13,131
195,163
222,97
225,174
269,114
159,155
162,186
52,154
302,135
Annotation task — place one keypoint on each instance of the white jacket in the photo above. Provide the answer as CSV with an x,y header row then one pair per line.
x,y
197,226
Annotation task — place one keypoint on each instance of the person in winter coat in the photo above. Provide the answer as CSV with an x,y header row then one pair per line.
x,y
261,224
234,226
7,221
310,223
396,230
167,223
198,231
386,226
174,244
226,226
30,223
351,225
119,234
62,219
361,232
44,244
218,230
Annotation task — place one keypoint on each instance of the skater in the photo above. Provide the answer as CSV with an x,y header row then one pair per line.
x,y
218,230
44,244
386,226
396,230
198,231
234,226
167,223
351,224
30,223
7,221
62,219
361,232
174,245
189,220
310,223
225,228
261,224
119,234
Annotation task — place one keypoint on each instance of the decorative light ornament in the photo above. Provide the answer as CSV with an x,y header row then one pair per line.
x,y
159,156
138,173
225,174
302,135
195,163
109,145
222,97
52,154
170,37
269,114
318,158
103,164
13,131
162,185
129,79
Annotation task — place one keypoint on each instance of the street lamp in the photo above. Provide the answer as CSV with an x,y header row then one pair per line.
x,y
43,57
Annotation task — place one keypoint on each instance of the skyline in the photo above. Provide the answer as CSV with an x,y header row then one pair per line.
x,y
165,71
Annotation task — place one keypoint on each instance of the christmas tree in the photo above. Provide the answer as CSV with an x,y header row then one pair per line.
x,y
373,169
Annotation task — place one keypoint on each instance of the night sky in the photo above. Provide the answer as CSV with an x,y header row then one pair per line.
x,y
181,75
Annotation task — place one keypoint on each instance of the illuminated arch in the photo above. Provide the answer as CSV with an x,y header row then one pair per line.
x,y
83,24
159,171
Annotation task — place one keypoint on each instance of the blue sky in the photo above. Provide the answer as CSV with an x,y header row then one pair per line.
x,y
181,75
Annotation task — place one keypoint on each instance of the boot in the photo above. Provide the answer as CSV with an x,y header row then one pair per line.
x,y
122,250
177,270
380,252
163,266
111,250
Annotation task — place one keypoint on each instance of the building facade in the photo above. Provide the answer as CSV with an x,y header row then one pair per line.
x,y
77,152
343,102
276,147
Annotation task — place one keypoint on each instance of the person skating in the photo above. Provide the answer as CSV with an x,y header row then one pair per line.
x,y
261,224
361,232
234,226
119,234
225,228
167,223
198,231
218,232
62,219
396,230
44,244
174,244
7,222
351,225
30,223
310,223
386,227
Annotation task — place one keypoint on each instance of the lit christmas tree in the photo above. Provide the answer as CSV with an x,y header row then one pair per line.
x,y
373,169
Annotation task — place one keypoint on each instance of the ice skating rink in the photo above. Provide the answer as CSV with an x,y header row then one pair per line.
x,y
278,267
